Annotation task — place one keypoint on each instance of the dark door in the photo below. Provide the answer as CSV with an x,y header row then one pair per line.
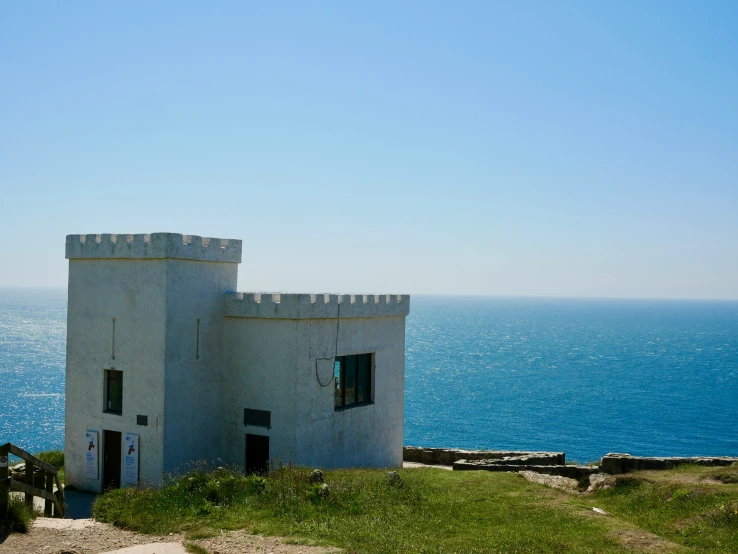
x,y
111,462
257,454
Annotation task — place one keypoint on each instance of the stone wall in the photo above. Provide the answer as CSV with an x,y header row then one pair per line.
x,y
550,463
447,456
573,472
623,463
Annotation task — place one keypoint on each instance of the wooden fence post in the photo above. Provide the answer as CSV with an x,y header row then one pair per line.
x,y
4,485
49,488
29,481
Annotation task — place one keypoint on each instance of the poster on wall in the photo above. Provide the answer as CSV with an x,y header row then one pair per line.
x,y
91,465
130,459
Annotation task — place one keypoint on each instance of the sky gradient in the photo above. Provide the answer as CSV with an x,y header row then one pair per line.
x,y
527,148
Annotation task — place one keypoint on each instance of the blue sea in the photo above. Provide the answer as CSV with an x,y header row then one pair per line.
x,y
585,377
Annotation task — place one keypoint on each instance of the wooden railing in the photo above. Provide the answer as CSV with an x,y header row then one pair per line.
x,y
48,477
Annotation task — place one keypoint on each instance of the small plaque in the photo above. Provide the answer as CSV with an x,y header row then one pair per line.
x,y
257,418
142,420
3,461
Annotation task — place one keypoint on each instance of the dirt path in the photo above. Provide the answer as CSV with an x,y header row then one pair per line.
x,y
411,465
85,536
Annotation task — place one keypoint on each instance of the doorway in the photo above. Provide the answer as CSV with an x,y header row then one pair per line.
x,y
257,454
111,461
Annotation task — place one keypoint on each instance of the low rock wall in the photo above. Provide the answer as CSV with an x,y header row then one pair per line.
x,y
573,472
550,463
623,463
447,456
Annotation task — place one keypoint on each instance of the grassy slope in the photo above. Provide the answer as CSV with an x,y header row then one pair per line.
x,y
436,511
688,505
432,511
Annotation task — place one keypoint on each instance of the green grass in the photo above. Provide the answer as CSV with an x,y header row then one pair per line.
x,y
697,513
436,511
54,458
195,548
430,511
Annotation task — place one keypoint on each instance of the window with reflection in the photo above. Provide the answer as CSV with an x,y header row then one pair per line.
x,y
113,391
353,380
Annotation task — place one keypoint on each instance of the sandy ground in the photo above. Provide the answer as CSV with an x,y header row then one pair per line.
x,y
85,536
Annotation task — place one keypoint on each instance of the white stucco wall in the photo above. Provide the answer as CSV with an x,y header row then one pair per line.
x,y
261,359
361,436
133,292
193,385
271,365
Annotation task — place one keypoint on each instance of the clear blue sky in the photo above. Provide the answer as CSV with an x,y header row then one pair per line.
x,y
543,148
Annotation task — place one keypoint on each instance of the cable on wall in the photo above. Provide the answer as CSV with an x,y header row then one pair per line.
x,y
335,355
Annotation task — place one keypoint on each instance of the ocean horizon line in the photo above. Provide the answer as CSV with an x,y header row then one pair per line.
x,y
63,288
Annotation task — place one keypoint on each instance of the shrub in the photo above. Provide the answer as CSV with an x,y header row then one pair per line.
x,y
52,457
727,478
725,515
17,519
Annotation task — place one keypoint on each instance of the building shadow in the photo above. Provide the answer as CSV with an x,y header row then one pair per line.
x,y
79,504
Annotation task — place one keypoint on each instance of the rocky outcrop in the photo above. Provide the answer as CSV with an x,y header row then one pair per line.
x,y
623,463
599,481
566,484
18,471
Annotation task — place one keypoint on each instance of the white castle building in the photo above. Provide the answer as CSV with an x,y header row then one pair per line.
x,y
167,365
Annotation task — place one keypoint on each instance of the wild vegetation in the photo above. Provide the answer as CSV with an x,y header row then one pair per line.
x,y
693,506
17,519
55,458
52,457
426,510
431,510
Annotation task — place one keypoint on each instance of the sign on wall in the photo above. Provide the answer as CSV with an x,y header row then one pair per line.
x,y
91,457
130,459
258,418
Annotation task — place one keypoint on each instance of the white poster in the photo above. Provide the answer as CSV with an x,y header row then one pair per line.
x,y
91,465
130,459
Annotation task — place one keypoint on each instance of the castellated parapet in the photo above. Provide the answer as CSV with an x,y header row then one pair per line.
x,y
170,366
315,306
153,246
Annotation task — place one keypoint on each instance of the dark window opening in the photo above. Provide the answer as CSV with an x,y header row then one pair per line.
x,y
353,380
113,391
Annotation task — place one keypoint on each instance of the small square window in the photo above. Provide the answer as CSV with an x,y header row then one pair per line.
x,y
353,380
113,391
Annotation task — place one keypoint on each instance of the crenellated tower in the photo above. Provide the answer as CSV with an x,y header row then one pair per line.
x,y
145,317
